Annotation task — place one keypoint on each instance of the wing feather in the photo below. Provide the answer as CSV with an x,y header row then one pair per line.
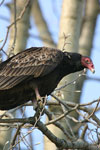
x,y
9,82
36,62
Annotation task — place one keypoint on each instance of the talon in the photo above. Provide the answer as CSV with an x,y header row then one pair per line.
x,y
40,103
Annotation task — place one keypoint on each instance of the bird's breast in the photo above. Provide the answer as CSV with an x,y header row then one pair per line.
x,y
47,84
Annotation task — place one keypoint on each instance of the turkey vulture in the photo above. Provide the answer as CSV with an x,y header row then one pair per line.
x,y
36,72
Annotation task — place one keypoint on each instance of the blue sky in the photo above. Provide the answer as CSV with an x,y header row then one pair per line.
x,y
53,24
91,89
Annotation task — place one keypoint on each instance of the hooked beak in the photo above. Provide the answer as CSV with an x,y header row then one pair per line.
x,y
92,70
90,66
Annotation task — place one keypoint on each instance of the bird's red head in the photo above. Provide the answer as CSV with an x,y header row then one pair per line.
x,y
87,63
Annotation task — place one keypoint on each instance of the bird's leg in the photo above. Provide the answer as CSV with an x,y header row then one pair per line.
x,y
39,98
41,101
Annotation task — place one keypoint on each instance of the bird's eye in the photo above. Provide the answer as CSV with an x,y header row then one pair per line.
x,y
87,61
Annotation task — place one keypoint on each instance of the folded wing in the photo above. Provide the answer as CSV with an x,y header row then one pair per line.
x,y
36,62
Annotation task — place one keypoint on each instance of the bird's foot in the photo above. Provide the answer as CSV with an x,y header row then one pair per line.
x,y
41,104
38,103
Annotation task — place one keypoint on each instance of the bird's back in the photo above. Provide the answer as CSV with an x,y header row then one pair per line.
x,y
22,72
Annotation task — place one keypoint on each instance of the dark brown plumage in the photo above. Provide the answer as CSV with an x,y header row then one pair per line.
x,y
36,72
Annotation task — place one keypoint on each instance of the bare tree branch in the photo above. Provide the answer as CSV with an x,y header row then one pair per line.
x,y
79,144
18,19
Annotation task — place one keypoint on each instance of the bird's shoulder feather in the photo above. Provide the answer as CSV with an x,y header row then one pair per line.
x,y
35,61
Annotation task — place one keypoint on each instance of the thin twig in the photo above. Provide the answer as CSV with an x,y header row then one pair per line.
x,y
37,118
65,38
72,82
15,136
87,120
60,101
84,132
94,109
62,116
15,31
58,124
2,2
18,19
67,123
26,142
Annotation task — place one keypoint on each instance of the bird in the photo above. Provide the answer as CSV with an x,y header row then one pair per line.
x,y
35,72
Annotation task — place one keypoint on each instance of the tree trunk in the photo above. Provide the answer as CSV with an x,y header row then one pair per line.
x,y
86,38
70,23
20,44
41,25
71,20
22,26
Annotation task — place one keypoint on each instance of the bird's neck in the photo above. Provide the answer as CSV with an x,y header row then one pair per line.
x,y
68,68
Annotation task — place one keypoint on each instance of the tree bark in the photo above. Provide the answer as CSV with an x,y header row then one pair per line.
x,y
41,25
71,20
22,26
20,44
70,23
86,37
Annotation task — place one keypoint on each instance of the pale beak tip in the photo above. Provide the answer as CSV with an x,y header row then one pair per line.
x,y
93,70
